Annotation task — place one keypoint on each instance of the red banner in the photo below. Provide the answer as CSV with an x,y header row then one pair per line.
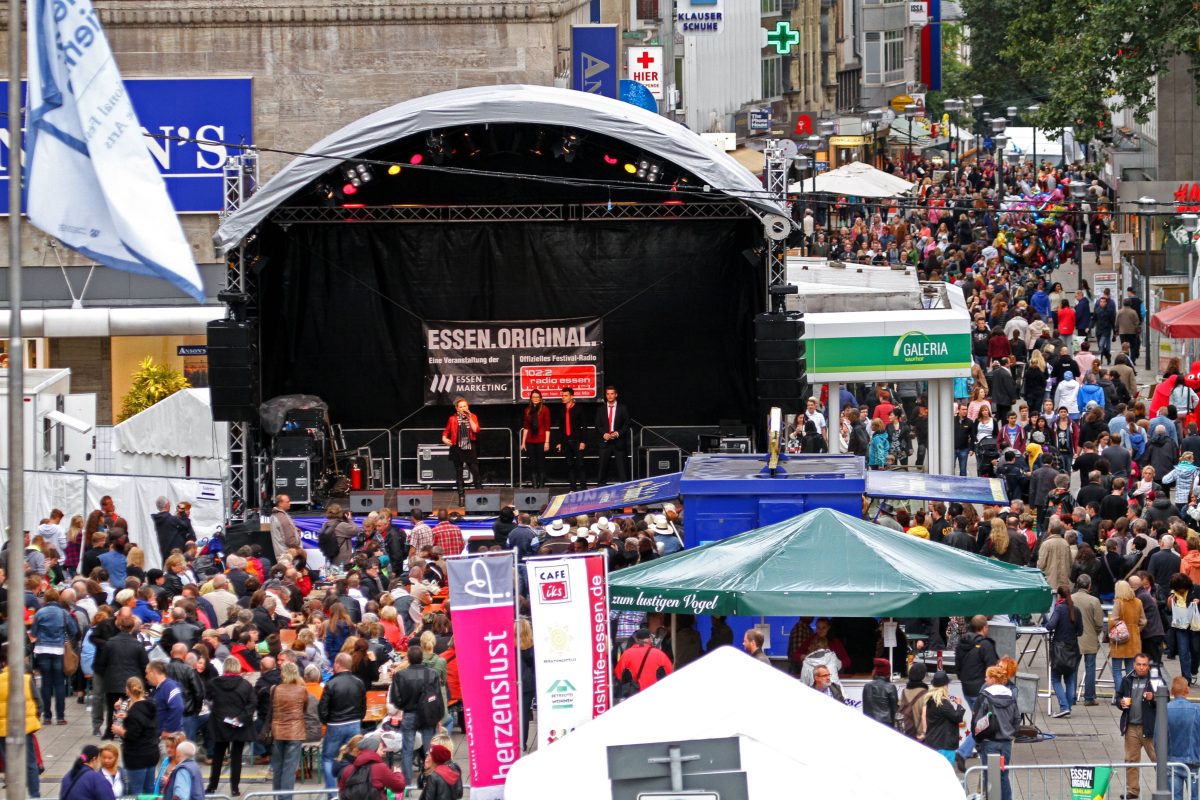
x,y
597,580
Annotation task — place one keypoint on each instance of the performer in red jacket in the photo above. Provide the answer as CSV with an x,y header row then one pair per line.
x,y
460,433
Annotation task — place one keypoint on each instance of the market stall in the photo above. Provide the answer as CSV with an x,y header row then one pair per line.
x,y
856,179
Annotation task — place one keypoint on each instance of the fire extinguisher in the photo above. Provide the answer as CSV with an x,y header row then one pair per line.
x,y
356,476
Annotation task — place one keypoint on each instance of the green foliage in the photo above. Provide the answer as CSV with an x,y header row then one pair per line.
x,y
151,384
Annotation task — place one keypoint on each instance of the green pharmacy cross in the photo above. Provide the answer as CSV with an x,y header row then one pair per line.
x,y
783,37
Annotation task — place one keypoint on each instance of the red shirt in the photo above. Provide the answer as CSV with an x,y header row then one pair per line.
x,y
543,419
646,676
448,536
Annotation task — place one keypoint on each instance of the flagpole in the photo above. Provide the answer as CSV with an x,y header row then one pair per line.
x,y
15,750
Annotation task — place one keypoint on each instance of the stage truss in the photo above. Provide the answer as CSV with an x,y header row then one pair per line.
x,y
571,212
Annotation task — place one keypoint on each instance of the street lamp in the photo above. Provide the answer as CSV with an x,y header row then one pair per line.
x,y
811,145
910,109
1000,141
976,104
1191,222
1078,194
953,107
1146,208
874,117
1032,112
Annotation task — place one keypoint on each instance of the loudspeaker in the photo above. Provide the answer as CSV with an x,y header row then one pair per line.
x,y
482,501
530,499
408,500
233,370
247,533
295,446
779,356
366,502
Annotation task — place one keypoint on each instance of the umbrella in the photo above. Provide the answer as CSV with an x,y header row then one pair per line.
x,y
825,563
1179,322
858,180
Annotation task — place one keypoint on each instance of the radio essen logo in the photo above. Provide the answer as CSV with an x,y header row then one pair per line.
x,y
916,346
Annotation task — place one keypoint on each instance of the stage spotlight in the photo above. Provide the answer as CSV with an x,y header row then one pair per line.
x,y
630,168
539,144
435,143
364,173
394,169
349,188
469,146
568,147
654,173
612,162
643,169
417,158
351,174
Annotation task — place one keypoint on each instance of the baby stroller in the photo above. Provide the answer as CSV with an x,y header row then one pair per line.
x,y
987,453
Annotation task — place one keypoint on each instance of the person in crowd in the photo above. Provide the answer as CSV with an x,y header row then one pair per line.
x,y
941,717
461,436
54,629
289,701
342,705
1134,695
83,780
535,437
880,700
231,723
1091,615
1183,739
139,736
368,766
995,719
1065,626
407,695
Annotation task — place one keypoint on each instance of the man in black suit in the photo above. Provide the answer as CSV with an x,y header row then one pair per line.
x,y
571,430
612,422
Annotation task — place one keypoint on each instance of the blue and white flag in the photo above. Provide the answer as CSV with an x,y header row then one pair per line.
x,y
89,179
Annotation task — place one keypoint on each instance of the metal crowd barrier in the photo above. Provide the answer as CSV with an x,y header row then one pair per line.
x,y
1053,781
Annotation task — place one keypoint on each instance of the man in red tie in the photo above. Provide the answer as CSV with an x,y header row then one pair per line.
x,y
612,423
572,442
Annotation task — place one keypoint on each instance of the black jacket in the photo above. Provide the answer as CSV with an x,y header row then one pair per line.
x,y
169,532
1003,387
344,700
406,687
262,689
265,622
189,680
1035,386
620,424
941,724
973,656
122,658
139,745
881,701
1149,707
1004,717
579,424
960,540
185,632
232,699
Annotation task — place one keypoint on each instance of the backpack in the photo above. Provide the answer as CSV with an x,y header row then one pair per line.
x,y
358,785
327,541
908,713
204,565
430,708
628,685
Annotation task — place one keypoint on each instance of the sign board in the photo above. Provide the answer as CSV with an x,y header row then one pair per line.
x,y
645,66
910,350
638,95
899,102
804,125
191,350
594,59
1090,783
191,119
699,17
502,362
1107,280
759,119
918,13
848,141
633,493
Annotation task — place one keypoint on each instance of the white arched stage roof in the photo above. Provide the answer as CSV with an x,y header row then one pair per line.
x,y
654,134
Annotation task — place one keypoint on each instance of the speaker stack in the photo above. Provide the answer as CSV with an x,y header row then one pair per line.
x,y
779,363
233,370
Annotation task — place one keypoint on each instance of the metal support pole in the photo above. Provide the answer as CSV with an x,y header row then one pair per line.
x,y
833,416
945,422
776,172
1162,775
994,767
1146,291
15,754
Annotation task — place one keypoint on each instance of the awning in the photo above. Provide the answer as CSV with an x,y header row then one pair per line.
x,y
752,160
824,563
947,488
1179,322
857,180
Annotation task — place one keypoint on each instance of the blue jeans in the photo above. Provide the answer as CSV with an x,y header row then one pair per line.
x,y
285,758
54,683
1064,689
1089,677
1179,779
408,730
1120,667
33,782
960,458
1186,649
335,736
991,747
141,781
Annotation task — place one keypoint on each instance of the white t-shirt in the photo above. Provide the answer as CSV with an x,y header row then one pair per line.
x,y
818,419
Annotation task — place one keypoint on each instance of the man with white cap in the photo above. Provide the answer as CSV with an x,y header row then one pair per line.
x,y
667,540
558,540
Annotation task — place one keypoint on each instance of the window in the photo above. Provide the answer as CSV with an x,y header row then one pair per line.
x,y
772,77
771,8
872,63
884,57
893,55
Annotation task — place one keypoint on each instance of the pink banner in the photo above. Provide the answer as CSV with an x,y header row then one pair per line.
x,y
482,594
597,581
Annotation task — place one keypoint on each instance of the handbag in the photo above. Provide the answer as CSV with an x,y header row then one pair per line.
x,y
70,654
1194,617
266,736
1118,632
1064,658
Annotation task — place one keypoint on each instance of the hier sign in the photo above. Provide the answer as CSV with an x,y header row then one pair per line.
x,y
645,66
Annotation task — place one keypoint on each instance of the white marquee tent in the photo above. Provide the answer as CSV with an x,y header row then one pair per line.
x,y
856,179
175,437
791,737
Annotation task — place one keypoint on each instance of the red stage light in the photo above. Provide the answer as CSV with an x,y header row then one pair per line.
x,y
349,188
416,159
673,203
353,205
611,161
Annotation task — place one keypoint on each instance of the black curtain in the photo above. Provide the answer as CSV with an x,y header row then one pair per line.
x,y
341,308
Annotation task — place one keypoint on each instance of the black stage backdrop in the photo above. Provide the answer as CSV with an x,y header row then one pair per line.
x,y
341,306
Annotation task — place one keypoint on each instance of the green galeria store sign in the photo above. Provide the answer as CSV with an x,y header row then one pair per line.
x,y
907,352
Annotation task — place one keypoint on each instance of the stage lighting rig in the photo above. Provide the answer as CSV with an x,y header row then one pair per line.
x,y
568,147
435,143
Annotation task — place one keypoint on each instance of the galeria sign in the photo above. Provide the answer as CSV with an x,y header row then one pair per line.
x,y
568,604
483,595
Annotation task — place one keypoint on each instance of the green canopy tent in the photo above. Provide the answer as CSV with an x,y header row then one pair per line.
x,y
825,563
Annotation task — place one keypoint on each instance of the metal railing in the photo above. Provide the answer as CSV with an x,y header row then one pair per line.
x,y
490,440
1053,781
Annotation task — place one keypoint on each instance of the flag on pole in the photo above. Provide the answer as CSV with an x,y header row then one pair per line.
x,y
89,179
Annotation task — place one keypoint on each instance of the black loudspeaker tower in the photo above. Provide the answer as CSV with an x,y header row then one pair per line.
x,y
233,370
781,378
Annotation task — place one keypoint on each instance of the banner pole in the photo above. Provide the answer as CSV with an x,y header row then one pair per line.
x,y
15,754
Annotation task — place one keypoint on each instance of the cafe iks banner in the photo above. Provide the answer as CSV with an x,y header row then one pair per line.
x,y
503,362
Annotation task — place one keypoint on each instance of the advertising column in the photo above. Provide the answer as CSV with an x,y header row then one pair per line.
x,y
568,605
483,595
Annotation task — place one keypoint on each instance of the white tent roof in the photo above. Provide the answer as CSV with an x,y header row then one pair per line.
x,y
546,105
181,426
856,179
1020,140
790,735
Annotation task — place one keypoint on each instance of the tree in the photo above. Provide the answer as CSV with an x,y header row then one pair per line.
x,y
1094,56
152,383
989,72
